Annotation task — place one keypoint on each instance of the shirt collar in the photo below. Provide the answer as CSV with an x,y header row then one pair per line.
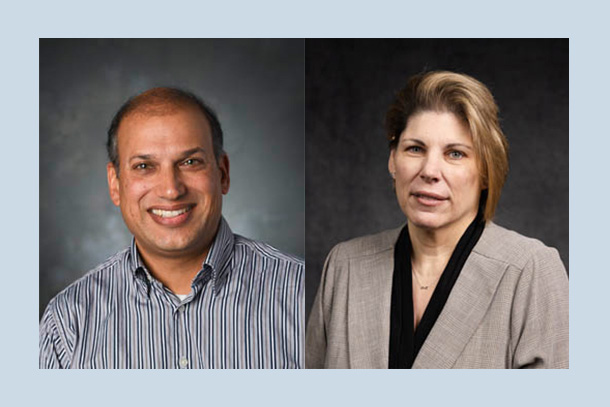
x,y
136,265
217,260
221,251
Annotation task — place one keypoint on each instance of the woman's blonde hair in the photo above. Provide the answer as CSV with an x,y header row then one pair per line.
x,y
472,102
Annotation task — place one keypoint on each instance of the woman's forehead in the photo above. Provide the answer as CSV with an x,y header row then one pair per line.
x,y
437,128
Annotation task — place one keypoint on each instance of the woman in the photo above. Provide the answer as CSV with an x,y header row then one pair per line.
x,y
450,289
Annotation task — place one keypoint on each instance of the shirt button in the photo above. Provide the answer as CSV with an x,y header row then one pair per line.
x,y
181,309
183,362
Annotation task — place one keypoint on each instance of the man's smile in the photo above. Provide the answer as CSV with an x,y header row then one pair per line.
x,y
171,216
170,213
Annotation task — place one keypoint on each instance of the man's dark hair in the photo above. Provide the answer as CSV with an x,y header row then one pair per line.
x,y
160,101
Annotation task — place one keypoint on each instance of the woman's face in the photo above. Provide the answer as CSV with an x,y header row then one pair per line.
x,y
436,172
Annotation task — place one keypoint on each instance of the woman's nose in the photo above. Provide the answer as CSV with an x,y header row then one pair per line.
x,y
431,169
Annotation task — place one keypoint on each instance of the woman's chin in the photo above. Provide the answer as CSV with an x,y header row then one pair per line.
x,y
425,225
426,221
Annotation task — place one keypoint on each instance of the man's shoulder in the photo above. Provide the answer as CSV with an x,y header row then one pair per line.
x,y
256,249
93,279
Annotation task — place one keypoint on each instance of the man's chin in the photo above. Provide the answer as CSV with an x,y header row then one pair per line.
x,y
174,248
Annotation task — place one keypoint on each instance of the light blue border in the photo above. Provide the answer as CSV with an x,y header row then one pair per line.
x,y
584,23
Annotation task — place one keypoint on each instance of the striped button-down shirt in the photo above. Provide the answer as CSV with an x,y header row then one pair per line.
x,y
245,310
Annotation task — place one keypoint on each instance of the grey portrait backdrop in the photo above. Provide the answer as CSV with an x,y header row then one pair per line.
x,y
349,86
256,88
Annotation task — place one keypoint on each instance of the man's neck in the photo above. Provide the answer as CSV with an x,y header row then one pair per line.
x,y
176,273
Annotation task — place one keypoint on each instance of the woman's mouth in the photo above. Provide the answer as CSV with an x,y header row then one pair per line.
x,y
429,199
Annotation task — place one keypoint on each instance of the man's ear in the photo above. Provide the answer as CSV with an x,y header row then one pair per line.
x,y
113,184
225,180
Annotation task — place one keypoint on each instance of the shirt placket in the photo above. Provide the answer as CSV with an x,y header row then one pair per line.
x,y
181,338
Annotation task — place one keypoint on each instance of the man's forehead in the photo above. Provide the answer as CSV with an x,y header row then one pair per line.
x,y
159,108
165,129
173,152
149,114
153,110
157,100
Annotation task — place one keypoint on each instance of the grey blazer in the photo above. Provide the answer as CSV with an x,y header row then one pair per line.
x,y
508,308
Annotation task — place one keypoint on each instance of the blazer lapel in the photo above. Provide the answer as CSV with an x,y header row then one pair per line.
x,y
369,298
465,308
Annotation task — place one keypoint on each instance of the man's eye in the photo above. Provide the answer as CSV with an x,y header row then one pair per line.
x,y
142,166
191,162
456,155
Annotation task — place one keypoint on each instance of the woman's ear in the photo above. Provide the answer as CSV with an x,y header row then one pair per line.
x,y
484,184
391,165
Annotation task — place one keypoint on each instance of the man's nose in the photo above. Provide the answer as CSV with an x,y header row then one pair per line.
x,y
170,185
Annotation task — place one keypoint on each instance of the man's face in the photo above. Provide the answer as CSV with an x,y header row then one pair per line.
x,y
170,185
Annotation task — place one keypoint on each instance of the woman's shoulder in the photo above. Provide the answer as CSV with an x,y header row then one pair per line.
x,y
508,246
367,245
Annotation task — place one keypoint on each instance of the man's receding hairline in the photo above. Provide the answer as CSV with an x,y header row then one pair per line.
x,y
163,101
168,109
162,108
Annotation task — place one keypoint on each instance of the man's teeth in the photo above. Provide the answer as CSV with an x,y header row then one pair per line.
x,y
169,214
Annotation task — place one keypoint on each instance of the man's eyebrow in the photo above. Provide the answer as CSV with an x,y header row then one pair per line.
x,y
141,157
192,151
183,154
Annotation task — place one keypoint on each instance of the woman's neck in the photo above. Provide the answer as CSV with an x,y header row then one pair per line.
x,y
432,248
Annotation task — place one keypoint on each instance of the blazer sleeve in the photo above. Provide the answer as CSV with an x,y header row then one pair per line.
x,y
316,332
540,317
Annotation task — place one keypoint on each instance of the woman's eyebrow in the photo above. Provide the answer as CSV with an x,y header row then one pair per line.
x,y
453,145
415,140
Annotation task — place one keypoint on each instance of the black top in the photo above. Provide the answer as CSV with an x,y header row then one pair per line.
x,y
404,342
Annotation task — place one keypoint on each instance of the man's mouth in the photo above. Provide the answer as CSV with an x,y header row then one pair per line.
x,y
170,213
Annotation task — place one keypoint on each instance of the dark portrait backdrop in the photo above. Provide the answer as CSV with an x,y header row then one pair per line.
x,y
256,88
349,86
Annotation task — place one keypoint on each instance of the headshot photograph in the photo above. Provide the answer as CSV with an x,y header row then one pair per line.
x,y
172,203
437,230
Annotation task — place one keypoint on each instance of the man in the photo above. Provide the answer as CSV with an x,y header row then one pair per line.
x,y
187,293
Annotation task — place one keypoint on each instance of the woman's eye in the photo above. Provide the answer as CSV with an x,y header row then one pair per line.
x,y
456,154
414,149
